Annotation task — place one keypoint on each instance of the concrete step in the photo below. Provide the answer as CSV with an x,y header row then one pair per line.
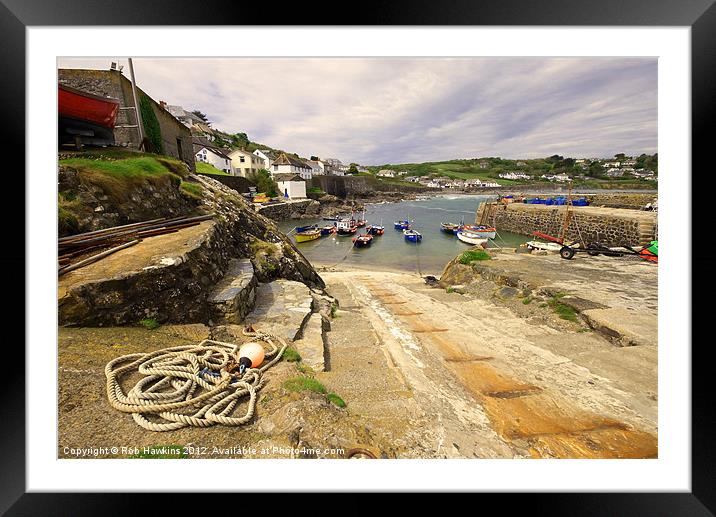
x,y
282,307
234,295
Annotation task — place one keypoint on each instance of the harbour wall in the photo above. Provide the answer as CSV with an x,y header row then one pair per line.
x,y
360,186
591,224
290,210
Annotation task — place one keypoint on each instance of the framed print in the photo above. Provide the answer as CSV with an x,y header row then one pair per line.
x,y
427,240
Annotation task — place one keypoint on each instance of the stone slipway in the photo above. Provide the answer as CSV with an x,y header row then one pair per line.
x,y
166,277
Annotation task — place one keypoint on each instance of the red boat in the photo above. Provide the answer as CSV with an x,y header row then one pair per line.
x,y
84,118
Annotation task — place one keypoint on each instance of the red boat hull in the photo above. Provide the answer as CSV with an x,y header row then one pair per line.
x,y
78,105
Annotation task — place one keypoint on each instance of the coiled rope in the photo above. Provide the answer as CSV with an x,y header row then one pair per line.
x,y
191,385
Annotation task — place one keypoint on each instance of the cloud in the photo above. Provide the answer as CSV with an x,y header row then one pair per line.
x,y
397,110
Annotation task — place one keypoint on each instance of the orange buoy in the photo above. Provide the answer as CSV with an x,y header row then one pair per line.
x,y
251,355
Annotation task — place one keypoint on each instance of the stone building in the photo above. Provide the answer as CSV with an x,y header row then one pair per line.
x,y
175,137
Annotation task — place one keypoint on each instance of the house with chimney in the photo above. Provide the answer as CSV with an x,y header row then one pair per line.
x,y
206,152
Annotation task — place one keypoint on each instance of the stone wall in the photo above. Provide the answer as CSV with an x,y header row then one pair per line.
x,y
238,183
608,226
292,210
112,83
359,186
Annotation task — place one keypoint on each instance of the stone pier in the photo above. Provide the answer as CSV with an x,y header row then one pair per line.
x,y
608,226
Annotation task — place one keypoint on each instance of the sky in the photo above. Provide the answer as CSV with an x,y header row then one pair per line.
x,y
375,111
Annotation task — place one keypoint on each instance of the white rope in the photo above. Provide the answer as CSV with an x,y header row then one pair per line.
x,y
191,385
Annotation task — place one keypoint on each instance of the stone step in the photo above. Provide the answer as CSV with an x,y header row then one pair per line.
x,y
282,307
234,295
311,344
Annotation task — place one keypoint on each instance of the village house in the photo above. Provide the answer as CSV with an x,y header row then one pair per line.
x,y
608,165
317,167
289,164
628,163
475,182
514,175
335,167
491,184
412,179
614,173
386,173
267,156
244,163
561,177
205,152
185,117
174,138
290,185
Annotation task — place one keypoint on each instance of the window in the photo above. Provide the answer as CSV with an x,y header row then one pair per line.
x,y
275,167
242,159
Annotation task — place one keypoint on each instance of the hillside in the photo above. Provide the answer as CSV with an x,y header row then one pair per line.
x,y
592,174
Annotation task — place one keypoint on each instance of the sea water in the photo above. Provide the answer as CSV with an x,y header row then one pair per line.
x,y
391,251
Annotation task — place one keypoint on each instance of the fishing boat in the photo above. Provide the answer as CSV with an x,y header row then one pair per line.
x,y
450,228
412,235
346,227
484,232
402,225
309,235
363,240
328,230
360,223
301,229
336,218
471,238
375,229
84,118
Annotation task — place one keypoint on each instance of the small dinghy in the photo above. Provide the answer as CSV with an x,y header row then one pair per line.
x,y
484,232
412,236
471,238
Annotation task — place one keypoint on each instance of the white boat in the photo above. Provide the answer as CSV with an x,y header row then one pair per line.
x,y
545,246
471,238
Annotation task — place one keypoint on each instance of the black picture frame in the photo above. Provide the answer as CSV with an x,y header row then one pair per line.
x,y
700,15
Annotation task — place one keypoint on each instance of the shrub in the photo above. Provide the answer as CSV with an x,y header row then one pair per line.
x,y
149,323
152,131
291,355
473,255
335,399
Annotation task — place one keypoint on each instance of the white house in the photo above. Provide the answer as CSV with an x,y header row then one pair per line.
x,y
412,179
492,184
318,168
185,117
244,163
561,177
335,167
614,173
290,185
207,153
386,173
267,156
516,175
611,164
285,164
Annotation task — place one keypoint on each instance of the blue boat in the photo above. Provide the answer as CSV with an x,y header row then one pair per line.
x,y
300,229
412,236
402,225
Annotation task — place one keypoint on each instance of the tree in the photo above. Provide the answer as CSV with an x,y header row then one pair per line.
x,y
264,182
596,169
353,169
619,156
201,115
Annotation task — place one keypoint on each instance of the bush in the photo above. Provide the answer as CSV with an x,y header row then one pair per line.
x,y
264,182
291,355
149,323
335,399
472,255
